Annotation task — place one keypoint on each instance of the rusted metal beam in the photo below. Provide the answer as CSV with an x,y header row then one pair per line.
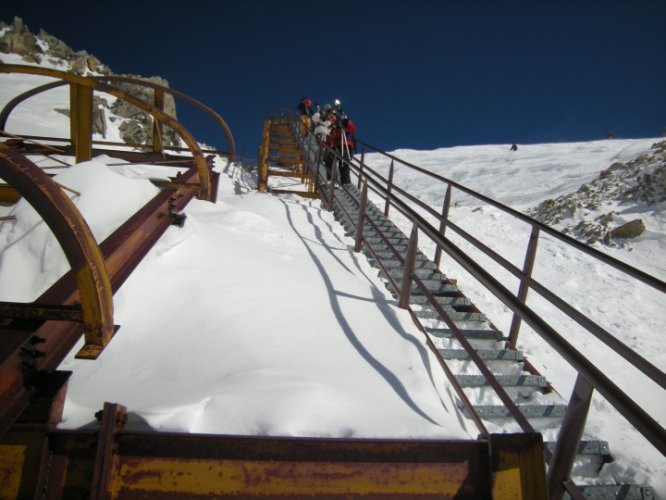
x,y
40,312
77,242
80,120
122,251
113,463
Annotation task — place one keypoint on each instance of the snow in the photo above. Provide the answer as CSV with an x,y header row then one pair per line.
x,y
258,318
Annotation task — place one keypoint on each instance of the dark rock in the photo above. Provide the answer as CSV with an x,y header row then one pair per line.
x,y
629,230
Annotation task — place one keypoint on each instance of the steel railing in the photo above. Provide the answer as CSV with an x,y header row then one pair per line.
x,y
589,376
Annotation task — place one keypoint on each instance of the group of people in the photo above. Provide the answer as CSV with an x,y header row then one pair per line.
x,y
332,127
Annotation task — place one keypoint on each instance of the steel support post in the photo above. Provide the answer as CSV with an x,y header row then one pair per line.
x,y
410,259
361,167
569,437
361,218
80,120
158,102
528,267
387,203
443,222
113,419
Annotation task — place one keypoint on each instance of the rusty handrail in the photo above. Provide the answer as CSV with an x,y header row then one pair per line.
x,y
638,417
607,259
91,84
588,373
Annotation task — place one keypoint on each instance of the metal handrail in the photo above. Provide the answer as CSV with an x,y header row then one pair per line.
x,y
607,259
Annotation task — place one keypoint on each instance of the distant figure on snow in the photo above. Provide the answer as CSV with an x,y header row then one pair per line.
x,y
514,147
609,134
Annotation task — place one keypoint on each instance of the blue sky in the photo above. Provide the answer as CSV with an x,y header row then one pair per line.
x,y
418,74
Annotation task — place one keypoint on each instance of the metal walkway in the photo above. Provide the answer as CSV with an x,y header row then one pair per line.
x,y
530,391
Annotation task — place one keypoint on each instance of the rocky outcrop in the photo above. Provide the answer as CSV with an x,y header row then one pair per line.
x,y
19,40
136,126
583,214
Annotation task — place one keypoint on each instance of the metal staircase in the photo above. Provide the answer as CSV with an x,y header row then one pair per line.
x,y
281,155
530,391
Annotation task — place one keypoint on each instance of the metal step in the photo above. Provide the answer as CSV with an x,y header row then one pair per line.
x,y
529,410
617,491
522,380
422,273
487,354
437,289
419,264
452,313
469,334
585,447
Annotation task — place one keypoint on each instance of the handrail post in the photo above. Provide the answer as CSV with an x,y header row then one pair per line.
x,y
443,222
80,120
158,102
360,170
361,218
569,437
316,169
334,178
528,266
410,259
388,190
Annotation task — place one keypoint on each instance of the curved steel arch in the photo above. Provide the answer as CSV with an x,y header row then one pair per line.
x,y
184,97
205,185
9,107
77,242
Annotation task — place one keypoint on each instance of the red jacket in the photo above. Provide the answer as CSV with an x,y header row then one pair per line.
x,y
334,139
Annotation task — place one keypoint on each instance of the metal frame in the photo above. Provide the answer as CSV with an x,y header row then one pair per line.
x,y
81,89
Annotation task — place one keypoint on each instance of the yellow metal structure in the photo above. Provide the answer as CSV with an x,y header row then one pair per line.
x,y
112,463
280,155
81,119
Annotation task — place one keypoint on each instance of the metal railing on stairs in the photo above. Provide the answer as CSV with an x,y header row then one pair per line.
x,y
427,222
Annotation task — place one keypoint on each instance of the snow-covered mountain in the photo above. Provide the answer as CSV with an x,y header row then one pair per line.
x,y
258,318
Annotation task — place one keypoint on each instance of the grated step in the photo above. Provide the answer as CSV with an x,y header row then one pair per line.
x,y
453,314
529,410
487,354
522,380
422,273
617,491
393,263
593,447
469,334
437,289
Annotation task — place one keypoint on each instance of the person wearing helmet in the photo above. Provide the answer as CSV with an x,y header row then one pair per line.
x,y
340,140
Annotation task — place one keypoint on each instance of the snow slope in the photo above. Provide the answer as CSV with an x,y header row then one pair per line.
x,y
257,318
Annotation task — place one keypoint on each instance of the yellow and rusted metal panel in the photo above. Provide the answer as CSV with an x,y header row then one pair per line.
x,y
518,467
113,463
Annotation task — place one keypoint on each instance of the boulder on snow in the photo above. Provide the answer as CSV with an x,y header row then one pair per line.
x,y
629,230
